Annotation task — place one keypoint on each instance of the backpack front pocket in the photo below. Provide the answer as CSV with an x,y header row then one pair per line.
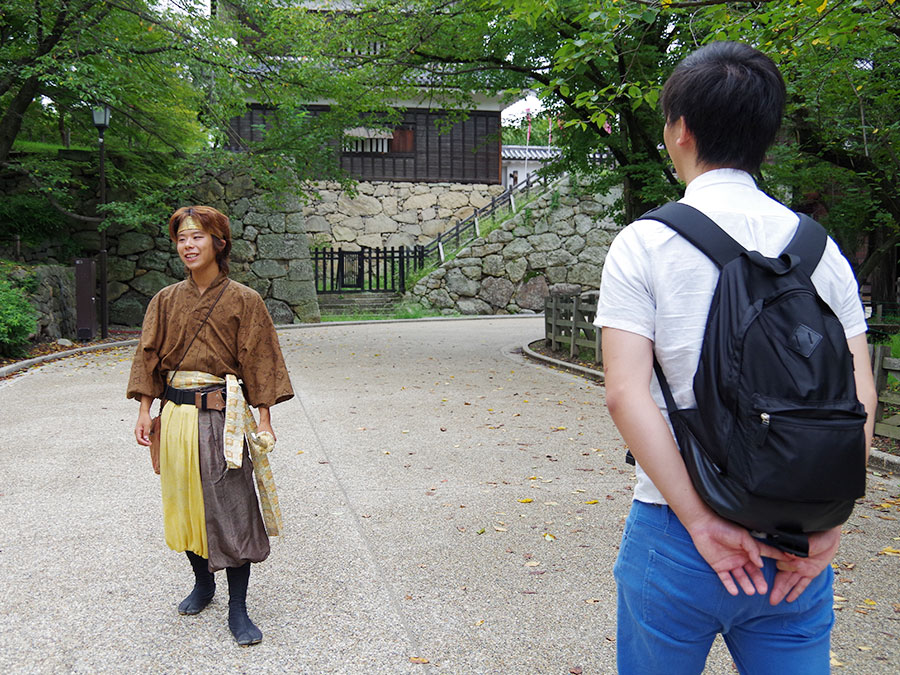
x,y
806,453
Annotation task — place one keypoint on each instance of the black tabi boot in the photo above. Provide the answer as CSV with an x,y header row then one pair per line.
x,y
204,586
244,630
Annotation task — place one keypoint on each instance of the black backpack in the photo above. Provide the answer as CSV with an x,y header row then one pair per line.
x,y
776,442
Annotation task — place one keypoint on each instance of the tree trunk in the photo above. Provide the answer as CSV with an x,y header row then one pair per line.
x,y
12,120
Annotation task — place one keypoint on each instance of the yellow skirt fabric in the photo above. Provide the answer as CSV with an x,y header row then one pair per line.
x,y
182,493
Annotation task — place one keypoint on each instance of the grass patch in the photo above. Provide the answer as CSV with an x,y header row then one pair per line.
x,y
401,311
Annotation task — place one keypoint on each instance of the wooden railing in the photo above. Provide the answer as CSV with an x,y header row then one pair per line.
x,y
569,324
887,412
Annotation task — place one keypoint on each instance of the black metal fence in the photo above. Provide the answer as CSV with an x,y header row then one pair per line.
x,y
368,269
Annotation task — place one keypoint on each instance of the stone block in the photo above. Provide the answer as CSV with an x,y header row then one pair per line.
x,y
515,269
537,260
276,223
441,299
389,206
209,191
120,269
370,240
240,207
250,233
361,205
240,186
492,265
517,248
307,311
432,228
593,254
401,239
422,200
456,282
243,251
500,237
559,258
341,233
496,291
531,294
126,312
380,224
269,269
472,271
453,200
280,312
134,242
474,307
152,260
565,289
407,217
382,190
556,275
574,244
293,292
300,270
463,213
585,274
151,283
282,247
544,242
115,290
317,224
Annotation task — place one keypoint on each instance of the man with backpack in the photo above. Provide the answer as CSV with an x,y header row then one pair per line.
x,y
684,572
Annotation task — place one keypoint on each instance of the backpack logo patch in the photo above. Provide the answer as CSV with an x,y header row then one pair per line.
x,y
804,340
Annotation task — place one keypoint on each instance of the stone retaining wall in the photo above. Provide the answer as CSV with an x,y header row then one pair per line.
x,y
384,214
555,245
54,301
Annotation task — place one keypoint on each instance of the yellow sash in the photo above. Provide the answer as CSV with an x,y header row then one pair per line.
x,y
240,424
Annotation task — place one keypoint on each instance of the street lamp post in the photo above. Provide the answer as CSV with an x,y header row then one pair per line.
x,y
101,121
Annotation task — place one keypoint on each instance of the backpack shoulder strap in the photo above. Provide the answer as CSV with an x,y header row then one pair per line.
x,y
699,230
808,243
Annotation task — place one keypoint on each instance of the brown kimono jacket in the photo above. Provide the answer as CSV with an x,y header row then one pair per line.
x,y
239,338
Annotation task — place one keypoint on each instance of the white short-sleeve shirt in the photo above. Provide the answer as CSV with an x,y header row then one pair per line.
x,y
658,285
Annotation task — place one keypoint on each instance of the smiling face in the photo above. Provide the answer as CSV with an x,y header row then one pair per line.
x,y
196,250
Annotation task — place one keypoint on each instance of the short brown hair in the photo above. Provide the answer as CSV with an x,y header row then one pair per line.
x,y
213,222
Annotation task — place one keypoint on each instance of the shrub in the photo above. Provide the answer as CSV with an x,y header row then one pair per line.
x,y
18,320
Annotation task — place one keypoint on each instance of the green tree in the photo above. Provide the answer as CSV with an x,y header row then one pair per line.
x,y
599,66
174,79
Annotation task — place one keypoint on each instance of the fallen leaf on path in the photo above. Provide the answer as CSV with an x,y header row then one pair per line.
x,y
527,500
548,537
889,551
417,659
593,501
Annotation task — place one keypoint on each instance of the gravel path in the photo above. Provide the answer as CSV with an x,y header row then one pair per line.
x,y
444,500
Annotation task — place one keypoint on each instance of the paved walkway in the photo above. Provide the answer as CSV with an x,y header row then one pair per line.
x,y
444,500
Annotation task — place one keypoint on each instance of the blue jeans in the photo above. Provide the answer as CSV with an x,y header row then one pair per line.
x,y
671,605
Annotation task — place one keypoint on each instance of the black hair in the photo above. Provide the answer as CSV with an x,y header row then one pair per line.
x,y
731,97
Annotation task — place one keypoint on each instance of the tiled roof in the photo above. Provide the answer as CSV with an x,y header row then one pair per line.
x,y
533,153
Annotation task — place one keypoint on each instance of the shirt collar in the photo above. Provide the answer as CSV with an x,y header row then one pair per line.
x,y
720,177
215,282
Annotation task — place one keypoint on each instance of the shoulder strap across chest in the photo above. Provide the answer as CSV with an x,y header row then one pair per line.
x,y
808,242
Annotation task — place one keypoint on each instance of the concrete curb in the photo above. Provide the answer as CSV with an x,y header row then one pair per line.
x,y
884,461
878,460
38,360
564,365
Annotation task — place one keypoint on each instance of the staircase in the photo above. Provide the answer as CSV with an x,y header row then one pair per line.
x,y
357,303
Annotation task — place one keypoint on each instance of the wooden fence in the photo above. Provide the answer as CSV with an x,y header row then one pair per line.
x,y
886,423
569,323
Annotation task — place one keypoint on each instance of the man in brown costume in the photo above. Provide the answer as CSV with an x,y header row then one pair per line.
x,y
200,335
